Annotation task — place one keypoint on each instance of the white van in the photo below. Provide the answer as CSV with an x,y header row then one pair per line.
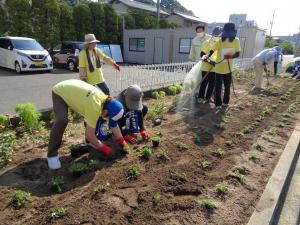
x,y
24,54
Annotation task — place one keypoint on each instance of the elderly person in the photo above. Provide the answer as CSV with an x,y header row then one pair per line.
x,y
90,60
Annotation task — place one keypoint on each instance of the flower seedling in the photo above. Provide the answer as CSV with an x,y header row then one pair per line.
x,y
208,203
156,199
280,125
178,88
206,131
145,152
133,171
254,156
102,188
205,163
171,90
155,95
29,115
56,183
162,94
222,188
219,152
77,169
258,146
58,213
164,155
197,139
229,143
182,146
237,175
8,140
20,198
155,141
93,164
181,175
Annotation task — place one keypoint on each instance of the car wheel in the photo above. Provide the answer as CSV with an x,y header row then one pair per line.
x,y
71,66
18,68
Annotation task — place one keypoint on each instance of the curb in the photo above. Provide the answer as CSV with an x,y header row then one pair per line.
x,y
269,207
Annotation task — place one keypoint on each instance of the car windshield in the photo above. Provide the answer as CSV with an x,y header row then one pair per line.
x,y
79,46
27,45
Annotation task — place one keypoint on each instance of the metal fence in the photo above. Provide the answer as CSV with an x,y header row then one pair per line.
x,y
150,77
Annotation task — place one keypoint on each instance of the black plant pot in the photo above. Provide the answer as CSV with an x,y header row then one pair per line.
x,y
155,144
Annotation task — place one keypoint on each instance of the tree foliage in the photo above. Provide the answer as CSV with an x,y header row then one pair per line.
x,y
171,5
98,20
82,21
287,48
270,42
111,24
66,25
3,26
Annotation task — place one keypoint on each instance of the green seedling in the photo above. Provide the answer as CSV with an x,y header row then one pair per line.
x,y
274,106
258,146
58,213
178,88
126,149
283,97
93,164
265,136
156,198
155,95
241,107
286,115
56,183
20,198
164,155
75,147
267,111
29,115
272,131
155,141
133,171
237,175
7,143
156,111
102,188
208,203
206,131
220,125
162,94
222,188
171,90
240,134
182,146
229,143
280,125
197,139
4,120
254,156
78,168
145,152
219,152
205,163
181,175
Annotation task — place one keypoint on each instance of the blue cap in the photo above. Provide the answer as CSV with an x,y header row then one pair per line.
x,y
217,31
277,49
115,112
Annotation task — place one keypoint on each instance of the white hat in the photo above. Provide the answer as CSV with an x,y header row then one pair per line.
x,y
90,38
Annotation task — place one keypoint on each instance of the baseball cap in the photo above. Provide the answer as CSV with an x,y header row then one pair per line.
x,y
115,112
133,97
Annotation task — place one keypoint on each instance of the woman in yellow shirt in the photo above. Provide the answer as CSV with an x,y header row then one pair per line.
x,y
90,60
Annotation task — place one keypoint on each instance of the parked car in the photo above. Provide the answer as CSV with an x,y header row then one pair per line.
x,y
66,54
24,54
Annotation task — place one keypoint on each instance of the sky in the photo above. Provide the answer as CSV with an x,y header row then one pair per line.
x,y
286,19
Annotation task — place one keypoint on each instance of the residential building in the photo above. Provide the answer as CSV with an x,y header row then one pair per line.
x,y
184,20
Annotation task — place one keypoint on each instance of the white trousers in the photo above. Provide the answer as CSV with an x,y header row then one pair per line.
x,y
259,71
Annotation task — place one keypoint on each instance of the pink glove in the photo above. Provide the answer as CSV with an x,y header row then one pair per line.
x,y
145,134
106,150
228,57
117,67
130,139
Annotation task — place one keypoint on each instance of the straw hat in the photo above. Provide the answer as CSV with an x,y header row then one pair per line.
x,y
90,38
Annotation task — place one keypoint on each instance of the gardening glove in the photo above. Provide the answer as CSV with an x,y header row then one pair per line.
x,y
122,142
130,139
106,150
117,67
204,58
145,134
228,56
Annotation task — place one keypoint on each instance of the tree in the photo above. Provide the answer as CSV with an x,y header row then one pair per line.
x,y
18,19
82,21
287,48
170,5
111,24
66,25
98,20
164,24
3,27
129,21
269,43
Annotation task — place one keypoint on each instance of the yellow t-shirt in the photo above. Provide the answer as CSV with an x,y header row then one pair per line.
x,y
206,47
82,98
225,48
95,77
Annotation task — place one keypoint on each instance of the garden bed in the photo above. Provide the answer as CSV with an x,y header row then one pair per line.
x,y
208,168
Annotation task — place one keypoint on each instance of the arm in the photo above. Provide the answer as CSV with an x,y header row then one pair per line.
x,y
82,74
109,61
192,53
91,137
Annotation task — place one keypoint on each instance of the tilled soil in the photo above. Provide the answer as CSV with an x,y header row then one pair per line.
x,y
130,201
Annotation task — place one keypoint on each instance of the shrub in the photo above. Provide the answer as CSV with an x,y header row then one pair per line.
x,y
28,114
162,94
58,213
6,147
133,171
20,198
4,120
145,152
171,90
178,88
56,183
155,95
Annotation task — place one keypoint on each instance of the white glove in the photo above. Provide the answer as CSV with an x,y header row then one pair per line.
x,y
54,163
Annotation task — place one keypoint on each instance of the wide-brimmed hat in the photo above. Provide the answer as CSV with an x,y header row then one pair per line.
x,y
217,31
133,97
229,31
90,38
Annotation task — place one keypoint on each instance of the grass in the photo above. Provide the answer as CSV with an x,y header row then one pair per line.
x,y
205,163
156,198
145,152
182,146
7,143
164,155
181,175
56,183
156,111
20,198
102,188
59,213
208,203
222,188
133,171
219,152
29,115
237,175
254,156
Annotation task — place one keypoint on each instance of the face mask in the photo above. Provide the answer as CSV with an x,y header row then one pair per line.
x,y
200,34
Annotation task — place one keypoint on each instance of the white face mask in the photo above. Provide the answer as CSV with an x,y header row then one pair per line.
x,y
200,34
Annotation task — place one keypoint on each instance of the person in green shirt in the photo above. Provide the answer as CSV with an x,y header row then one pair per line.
x,y
92,104
90,64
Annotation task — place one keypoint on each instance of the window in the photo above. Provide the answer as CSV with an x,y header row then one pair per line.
x,y
185,45
4,43
67,48
137,44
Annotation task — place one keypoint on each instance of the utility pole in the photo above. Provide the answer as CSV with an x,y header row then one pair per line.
x,y
158,10
272,22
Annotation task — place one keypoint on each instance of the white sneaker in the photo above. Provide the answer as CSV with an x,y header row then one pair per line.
x,y
54,163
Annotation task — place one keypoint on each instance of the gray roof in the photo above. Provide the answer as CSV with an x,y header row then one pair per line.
x,y
139,5
188,17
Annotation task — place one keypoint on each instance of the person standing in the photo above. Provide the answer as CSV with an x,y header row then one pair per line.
x,y
90,60
207,69
278,57
201,36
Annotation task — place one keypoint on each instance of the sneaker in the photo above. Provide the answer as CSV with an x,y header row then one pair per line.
x,y
225,105
218,107
54,163
200,100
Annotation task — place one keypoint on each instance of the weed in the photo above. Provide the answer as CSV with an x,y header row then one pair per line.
x,y
222,188
29,115
56,183
133,171
8,140
197,139
208,203
20,198
219,152
205,163
156,111
58,213
102,188
258,146
145,152
237,175
182,146
156,198
181,175
254,156
164,154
